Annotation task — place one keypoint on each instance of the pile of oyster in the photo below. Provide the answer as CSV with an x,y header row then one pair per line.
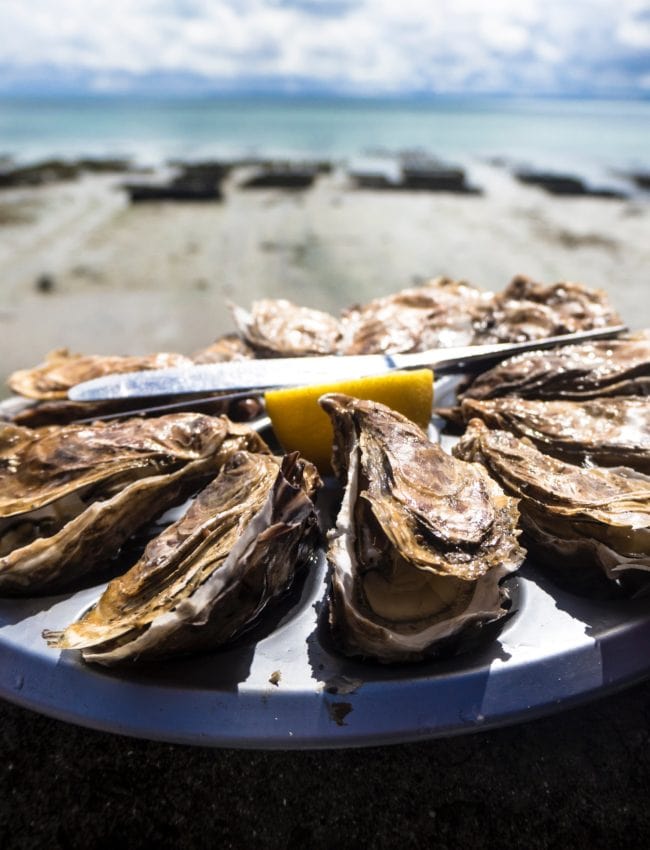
x,y
554,458
71,495
441,313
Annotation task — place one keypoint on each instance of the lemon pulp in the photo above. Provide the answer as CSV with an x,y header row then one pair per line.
x,y
301,425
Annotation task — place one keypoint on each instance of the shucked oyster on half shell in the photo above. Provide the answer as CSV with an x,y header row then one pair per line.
x,y
604,431
585,523
70,496
421,543
206,576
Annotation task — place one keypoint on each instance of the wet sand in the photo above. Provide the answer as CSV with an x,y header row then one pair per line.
x,y
124,278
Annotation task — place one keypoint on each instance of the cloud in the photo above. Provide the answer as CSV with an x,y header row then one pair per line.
x,y
347,46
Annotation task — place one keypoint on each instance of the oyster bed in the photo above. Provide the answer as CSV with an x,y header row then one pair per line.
x,y
282,685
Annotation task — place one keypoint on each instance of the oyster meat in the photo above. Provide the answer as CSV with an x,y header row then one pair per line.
x,y
612,367
208,575
70,496
422,540
590,526
603,431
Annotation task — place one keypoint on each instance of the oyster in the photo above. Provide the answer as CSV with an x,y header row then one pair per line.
x,y
529,310
612,367
70,496
36,414
279,328
225,348
421,543
605,432
589,525
440,314
208,575
62,370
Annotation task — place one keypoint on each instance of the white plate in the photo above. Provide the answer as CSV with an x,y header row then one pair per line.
x,y
282,686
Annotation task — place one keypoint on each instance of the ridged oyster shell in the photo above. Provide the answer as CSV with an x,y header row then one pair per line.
x,y
585,523
604,432
421,543
206,576
63,370
613,367
440,313
70,496
526,309
279,328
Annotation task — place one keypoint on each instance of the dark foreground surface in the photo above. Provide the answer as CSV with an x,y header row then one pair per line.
x,y
578,779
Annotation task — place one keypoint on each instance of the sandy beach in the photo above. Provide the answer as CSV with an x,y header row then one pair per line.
x,y
133,278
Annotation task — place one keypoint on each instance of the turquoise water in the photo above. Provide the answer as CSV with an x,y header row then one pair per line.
x,y
559,133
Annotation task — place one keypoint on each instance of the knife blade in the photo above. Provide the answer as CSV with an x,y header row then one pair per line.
x,y
259,375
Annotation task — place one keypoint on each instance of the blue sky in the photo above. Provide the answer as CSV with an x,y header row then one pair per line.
x,y
353,47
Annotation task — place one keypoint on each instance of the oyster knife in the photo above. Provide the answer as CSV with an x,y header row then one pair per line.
x,y
259,375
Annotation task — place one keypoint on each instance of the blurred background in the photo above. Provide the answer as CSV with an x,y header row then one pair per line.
x,y
160,159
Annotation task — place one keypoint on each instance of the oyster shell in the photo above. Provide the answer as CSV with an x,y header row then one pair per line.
x,y
62,370
71,496
587,524
529,310
37,414
422,540
612,367
206,576
605,432
225,348
279,328
439,314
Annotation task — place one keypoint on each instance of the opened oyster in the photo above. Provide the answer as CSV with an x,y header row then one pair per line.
x,y
422,540
605,432
71,496
611,367
587,524
209,574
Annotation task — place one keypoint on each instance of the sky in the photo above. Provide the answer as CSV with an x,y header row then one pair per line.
x,y
349,47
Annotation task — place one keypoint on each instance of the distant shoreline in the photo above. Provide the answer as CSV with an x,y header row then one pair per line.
x,y
378,169
593,134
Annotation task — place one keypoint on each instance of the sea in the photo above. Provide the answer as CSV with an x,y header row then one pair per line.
x,y
592,136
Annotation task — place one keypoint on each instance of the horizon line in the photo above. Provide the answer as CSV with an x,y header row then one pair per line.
x,y
317,94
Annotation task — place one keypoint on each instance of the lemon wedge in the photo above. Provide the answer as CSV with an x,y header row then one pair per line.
x,y
300,423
